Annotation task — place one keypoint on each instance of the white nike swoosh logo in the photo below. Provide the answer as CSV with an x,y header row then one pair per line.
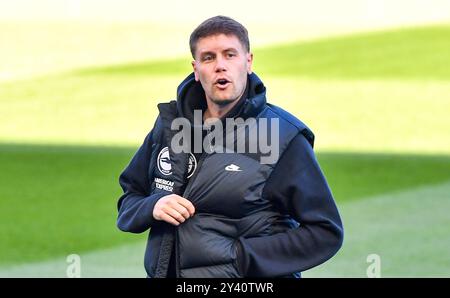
x,y
233,168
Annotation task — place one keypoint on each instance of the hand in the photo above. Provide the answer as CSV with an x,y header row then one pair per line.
x,y
173,209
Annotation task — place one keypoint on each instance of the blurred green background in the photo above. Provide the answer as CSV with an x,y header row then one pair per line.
x,y
79,85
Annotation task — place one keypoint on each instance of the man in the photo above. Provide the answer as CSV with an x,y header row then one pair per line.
x,y
214,212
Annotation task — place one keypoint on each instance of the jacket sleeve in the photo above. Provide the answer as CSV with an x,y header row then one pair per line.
x,y
298,187
136,204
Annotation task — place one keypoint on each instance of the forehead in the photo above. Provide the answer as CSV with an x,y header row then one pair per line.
x,y
218,42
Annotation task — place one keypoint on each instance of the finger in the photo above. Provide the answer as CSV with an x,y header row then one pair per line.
x,y
167,218
186,204
174,213
181,209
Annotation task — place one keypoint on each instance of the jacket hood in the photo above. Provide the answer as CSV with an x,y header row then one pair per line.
x,y
191,96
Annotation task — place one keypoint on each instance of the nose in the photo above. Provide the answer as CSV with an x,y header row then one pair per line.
x,y
220,64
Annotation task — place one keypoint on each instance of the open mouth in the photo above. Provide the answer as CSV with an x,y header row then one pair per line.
x,y
222,83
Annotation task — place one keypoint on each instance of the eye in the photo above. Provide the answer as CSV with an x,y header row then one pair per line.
x,y
207,58
231,55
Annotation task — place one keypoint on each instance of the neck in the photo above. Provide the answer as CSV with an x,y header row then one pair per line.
x,y
218,111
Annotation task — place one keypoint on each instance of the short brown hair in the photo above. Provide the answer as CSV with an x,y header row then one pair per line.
x,y
219,25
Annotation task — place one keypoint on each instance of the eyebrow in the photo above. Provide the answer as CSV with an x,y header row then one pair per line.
x,y
230,49
213,53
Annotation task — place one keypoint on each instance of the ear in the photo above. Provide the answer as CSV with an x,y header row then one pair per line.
x,y
194,67
249,63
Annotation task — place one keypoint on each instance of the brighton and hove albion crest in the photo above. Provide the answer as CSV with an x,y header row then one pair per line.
x,y
165,166
192,165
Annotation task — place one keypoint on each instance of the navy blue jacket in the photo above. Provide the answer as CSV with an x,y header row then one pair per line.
x,y
265,220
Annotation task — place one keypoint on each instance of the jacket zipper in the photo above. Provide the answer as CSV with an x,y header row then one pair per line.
x,y
203,156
